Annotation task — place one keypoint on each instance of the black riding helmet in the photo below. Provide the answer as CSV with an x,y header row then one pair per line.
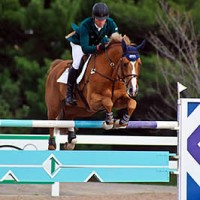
x,y
100,11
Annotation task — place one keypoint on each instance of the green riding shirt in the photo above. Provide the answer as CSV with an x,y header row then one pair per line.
x,y
88,36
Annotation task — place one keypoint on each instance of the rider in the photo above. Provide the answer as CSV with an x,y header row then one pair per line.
x,y
89,38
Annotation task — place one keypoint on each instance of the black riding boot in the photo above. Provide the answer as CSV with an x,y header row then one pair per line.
x,y
70,86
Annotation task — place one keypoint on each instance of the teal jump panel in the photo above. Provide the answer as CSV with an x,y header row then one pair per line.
x,y
80,166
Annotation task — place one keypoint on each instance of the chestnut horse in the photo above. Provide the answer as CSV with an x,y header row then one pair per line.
x,y
110,81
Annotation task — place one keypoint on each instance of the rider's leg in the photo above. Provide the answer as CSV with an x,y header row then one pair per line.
x,y
77,54
70,86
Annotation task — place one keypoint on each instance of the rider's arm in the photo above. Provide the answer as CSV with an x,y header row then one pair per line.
x,y
84,41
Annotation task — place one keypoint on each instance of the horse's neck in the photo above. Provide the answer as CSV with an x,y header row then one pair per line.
x,y
110,56
105,63
115,54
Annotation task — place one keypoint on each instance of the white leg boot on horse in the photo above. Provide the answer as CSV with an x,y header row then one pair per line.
x,y
109,122
123,122
70,145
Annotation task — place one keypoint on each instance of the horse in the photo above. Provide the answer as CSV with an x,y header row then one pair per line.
x,y
110,81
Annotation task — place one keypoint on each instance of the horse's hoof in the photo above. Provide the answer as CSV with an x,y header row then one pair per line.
x,y
69,146
74,141
107,126
52,144
118,125
51,147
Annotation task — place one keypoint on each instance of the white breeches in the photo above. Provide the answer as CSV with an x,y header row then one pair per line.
x,y
77,54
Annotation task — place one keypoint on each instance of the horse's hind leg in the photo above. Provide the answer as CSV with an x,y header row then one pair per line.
x,y
70,145
52,142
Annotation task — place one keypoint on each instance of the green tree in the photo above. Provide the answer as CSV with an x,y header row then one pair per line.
x,y
176,43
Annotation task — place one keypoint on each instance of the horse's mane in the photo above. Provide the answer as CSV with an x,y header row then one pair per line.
x,y
117,38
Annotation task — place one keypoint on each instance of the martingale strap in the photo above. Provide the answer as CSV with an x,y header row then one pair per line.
x,y
80,93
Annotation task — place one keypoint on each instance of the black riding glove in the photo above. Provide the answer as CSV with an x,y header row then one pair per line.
x,y
101,47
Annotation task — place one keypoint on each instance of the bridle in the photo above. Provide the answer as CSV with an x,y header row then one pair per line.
x,y
120,65
116,67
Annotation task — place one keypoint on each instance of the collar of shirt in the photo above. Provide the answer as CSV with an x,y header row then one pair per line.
x,y
98,28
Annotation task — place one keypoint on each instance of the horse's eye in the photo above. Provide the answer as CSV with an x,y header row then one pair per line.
x,y
126,64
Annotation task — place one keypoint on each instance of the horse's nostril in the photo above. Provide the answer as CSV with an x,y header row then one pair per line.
x,y
130,90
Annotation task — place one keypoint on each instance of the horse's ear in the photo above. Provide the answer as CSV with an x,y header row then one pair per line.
x,y
141,45
123,45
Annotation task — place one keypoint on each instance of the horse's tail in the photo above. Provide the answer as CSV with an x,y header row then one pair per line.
x,y
53,64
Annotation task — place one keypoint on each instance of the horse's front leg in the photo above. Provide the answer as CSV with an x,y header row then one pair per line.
x,y
109,121
97,102
123,122
130,109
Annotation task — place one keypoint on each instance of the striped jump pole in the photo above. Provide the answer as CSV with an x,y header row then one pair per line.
x,y
173,125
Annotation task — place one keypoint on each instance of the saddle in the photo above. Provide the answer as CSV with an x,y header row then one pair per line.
x,y
83,60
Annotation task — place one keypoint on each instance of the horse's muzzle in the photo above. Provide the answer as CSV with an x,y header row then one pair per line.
x,y
132,93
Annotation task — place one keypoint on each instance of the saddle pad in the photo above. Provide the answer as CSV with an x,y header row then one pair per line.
x,y
78,80
64,76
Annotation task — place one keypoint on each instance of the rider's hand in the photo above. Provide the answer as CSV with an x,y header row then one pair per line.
x,y
101,47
